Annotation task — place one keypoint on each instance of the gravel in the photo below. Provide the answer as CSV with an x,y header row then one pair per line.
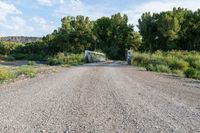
x,y
101,98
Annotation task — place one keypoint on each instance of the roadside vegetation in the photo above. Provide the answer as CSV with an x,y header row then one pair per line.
x,y
112,35
65,59
8,73
174,33
170,42
181,63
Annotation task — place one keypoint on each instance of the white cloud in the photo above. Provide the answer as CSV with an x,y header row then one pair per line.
x,y
10,25
62,1
15,26
77,7
43,25
135,12
13,22
45,2
50,2
20,26
6,9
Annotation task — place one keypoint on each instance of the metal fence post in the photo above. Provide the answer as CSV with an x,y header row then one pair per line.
x,y
86,56
129,57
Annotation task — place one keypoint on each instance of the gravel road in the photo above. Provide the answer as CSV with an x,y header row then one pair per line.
x,y
101,98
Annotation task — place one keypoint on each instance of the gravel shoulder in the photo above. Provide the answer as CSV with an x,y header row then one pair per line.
x,y
102,97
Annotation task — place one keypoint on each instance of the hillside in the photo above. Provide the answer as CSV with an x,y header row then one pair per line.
x,y
21,39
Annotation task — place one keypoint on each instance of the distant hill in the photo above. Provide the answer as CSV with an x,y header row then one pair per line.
x,y
21,39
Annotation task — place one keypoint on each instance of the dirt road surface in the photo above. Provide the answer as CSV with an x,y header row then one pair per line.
x,y
101,98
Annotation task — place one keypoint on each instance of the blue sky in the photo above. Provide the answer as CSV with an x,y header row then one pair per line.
x,y
40,17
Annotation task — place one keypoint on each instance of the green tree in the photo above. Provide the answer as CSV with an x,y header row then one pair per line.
x,y
148,29
112,35
177,29
74,36
134,41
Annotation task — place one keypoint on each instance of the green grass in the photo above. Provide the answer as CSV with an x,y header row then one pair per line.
x,y
11,73
65,59
31,63
6,74
181,63
28,71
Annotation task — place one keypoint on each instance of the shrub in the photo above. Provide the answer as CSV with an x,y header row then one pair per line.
x,y
196,64
198,75
31,63
150,67
57,59
64,58
53,61
191,73
162,68
38,47
26,70
33,57
181,63
158,68
7,48
140,59
156,61
8,73
7,58
178,64
179,73
19,56
5,74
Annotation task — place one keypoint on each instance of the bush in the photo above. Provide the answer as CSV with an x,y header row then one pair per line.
x,y
26,70
8,73
7,58
158,68
177,62
198,75
162,68
5,74
57,59
31,63
7,48
150,67
156,61
19,56
195,64
38,47
140,59
191,73
33,57
62,58
179,73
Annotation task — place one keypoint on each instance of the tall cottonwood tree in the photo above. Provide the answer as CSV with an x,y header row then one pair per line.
x,y
111,35
172,30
